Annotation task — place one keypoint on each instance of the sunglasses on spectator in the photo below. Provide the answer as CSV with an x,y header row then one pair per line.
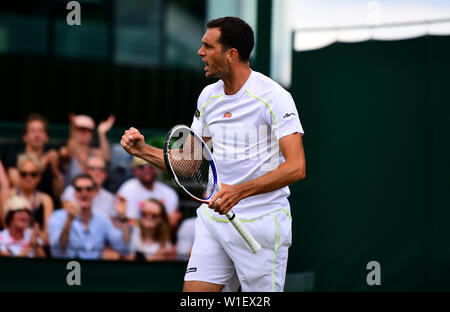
x,y
151,214
96,168
32,174
84,188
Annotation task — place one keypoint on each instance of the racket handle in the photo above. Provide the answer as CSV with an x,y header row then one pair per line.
x,y
252,243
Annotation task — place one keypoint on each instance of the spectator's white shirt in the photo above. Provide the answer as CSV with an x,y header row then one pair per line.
x,y
102,204
185,236
245,129
135,193
16,247
148,249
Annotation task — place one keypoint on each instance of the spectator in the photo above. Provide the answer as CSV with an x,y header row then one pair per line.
x,y
41,203
185,237
4,190
151,238
78,149
78,232
144,186
103,202
18,239
35,137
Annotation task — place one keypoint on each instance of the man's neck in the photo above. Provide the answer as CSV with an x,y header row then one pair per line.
x,y
37,151
236,78
85,216
149,185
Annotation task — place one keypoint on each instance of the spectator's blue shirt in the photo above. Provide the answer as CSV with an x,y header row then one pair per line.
x,y
84,242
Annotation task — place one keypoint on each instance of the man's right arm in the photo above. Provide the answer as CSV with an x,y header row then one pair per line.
x,y
133,142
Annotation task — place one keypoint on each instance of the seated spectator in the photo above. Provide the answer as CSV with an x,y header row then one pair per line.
x,y
151,237
18,239
78,232
144,186
4,190
35,137
41,203
103,202
78,149
185,237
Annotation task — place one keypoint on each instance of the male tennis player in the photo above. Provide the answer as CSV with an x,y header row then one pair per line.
x,y
242,101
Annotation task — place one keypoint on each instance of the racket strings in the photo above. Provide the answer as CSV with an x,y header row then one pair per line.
x,y
192,169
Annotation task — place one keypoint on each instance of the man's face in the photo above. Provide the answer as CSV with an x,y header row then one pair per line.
x,y
145,174
35,135
96,168
83,135
84,192
213,55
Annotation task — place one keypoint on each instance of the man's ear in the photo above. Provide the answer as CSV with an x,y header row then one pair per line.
x,y
233,55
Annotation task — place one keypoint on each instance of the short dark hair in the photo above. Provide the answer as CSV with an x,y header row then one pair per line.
x,y
235,33
35,117
83,176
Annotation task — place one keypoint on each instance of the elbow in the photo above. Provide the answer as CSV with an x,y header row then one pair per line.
x,y
299,174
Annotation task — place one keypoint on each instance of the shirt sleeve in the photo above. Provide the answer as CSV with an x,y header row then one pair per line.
x,y
55,228
284,116
198,123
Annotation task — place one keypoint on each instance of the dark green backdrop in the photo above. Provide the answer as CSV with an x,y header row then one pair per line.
x,y
377,117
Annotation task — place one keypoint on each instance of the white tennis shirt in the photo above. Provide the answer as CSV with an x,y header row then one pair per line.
x,y
245,128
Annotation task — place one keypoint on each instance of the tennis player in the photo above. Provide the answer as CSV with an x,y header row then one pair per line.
x,y
257,141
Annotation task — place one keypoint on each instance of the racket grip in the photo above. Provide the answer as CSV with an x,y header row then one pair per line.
x,y
249,239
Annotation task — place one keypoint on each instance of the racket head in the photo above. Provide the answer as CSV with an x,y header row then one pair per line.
x,y
190,163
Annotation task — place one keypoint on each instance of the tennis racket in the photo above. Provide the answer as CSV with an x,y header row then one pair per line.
x,y
191,166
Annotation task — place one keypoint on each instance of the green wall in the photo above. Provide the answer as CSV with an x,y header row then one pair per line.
x,y
376,117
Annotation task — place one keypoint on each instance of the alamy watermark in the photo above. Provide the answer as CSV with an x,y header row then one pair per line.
x,y
74,16
73,278
374,276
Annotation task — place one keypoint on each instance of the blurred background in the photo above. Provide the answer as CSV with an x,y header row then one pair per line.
x,y
371,81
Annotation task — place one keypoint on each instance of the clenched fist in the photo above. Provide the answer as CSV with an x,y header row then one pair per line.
x,y
133,142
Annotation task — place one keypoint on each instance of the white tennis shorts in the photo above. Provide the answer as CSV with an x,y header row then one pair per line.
x,y
221,256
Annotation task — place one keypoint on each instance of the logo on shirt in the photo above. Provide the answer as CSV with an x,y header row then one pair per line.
x,y
197,113
190,270
288,115
227,115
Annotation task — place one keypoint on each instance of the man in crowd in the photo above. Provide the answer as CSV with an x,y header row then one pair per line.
x,y
103,201
78,232
144,186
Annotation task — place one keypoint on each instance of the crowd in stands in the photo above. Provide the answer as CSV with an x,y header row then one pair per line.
x,y
54,203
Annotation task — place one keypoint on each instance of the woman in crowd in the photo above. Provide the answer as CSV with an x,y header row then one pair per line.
x,y
41,203
4,189
151,237
18,239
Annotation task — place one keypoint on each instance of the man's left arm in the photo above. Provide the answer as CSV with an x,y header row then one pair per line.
x,y
290,171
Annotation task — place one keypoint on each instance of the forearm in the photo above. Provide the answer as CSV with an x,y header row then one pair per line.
x,y
104,145
284,175
154,156
126,232
64,238
58,184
